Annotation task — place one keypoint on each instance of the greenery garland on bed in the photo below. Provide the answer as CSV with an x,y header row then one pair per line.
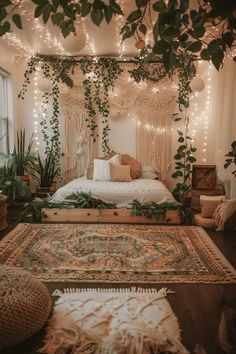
x,y
83,200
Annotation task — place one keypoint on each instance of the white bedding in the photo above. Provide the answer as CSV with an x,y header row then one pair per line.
x,y
120,193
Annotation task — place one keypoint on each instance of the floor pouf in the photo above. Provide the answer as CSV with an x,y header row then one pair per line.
x,y
25,305
207,223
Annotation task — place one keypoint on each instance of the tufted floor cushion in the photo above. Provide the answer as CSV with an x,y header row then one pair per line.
x,y
208,223
25,305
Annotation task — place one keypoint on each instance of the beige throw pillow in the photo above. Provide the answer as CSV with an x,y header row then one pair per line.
x,y
120,173
209,204
115,160
135,166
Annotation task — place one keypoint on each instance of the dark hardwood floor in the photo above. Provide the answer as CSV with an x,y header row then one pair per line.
x,y
197,306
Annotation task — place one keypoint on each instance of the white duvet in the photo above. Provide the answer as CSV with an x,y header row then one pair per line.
x,y
120,193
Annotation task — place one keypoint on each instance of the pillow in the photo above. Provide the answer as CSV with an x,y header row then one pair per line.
x,y
101,171
135,166
120,173
149,172
209,204
224,212
115,160
89,173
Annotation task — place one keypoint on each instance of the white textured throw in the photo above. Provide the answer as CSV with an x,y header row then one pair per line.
x,y
110,321
101,170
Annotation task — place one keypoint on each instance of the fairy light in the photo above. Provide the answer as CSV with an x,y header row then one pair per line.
x,y
37,107
89,43
46,37
120,20
24,50
199,113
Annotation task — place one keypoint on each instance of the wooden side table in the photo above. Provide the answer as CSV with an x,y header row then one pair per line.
x,y
195,196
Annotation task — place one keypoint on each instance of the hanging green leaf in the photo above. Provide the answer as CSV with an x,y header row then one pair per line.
x,y
108,13
143,28
161,47
17,20
194,47
85,9
97,17
159,6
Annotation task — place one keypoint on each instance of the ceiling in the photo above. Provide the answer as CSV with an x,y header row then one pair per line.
x,y
38,38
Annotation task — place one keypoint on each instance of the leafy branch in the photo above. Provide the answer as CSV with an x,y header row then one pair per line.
x,y
180,29
183,165
232,157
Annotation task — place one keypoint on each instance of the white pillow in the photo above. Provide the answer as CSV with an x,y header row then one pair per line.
x,y
101,171
115,160
148,172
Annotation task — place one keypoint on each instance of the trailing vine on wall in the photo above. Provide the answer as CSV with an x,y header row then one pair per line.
x,y
184,68
99,78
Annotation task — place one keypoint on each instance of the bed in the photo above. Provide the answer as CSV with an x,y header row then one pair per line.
x,y
120,193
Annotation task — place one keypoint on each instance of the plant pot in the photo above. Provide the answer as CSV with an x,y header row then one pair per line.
x,y
43,190
187,200
3,212
25,179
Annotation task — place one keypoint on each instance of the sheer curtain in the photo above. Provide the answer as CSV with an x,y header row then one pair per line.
x,y
223,129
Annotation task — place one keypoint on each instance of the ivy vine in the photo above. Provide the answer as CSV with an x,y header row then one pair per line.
x,y
99,80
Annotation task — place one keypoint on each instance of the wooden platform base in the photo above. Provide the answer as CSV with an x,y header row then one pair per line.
x,y
105,216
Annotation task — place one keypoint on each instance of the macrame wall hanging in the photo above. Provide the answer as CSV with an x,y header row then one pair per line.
x,y
153,104
79,145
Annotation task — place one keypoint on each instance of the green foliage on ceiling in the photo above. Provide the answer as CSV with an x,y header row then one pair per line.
x,y
178,28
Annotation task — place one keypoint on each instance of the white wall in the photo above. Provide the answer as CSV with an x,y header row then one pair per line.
x,y
7,63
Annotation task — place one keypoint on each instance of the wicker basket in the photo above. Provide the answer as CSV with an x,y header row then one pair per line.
x,y
195,196
3,212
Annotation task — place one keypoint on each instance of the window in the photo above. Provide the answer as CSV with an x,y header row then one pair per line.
x,y
4,131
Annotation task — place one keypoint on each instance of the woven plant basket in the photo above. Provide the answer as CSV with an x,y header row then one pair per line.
x,y
3,212
25,305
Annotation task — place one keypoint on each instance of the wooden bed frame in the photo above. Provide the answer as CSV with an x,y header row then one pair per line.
x,y
105,216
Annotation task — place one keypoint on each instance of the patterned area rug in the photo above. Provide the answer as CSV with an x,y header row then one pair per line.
x,y
116,253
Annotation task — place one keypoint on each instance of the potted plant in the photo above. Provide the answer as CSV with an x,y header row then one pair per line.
x,y
44,172
11,185
22,156
232,157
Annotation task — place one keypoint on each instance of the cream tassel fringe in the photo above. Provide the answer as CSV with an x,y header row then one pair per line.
x,y
70,339
65,336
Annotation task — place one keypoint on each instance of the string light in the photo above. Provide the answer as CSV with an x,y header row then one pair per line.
x,y
89,43
199,116
24,50
120,21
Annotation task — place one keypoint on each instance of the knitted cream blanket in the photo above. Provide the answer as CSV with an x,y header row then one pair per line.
x,y
111,321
